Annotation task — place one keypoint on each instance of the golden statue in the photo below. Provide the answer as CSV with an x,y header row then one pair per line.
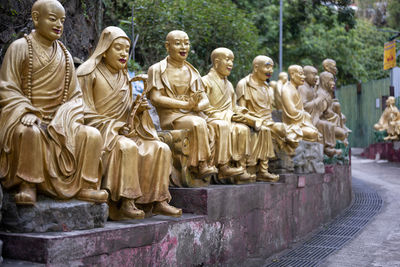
x,y
136,164
257,97
223,106
44,145
277,86
177,92
390,120
294,115
317,105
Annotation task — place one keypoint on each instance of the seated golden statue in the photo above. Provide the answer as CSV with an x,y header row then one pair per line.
x,y
294,115
257,97
277,86
136,164
390,120
316,105
44,145
177,92
223,106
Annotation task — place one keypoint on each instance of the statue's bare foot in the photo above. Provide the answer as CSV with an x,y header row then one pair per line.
x,y
98,196
265,176
205,170
129,209
226,171
163,208
26,194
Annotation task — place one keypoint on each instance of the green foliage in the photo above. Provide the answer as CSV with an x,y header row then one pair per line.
x,y
209,24
394,14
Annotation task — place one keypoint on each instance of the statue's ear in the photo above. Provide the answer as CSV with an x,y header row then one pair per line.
x,y
167,45
35,16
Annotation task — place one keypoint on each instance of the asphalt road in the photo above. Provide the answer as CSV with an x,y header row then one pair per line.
x,y
378,244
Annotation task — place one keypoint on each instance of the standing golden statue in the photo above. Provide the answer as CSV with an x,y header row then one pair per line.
x,y
44,145
390,120
136,164
223,106
177,92
293,113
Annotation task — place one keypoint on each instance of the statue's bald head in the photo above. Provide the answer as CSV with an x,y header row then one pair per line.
x,y
311,75
220,52
40,5
326,80
172,35
283,77
330,66
294,69
262,60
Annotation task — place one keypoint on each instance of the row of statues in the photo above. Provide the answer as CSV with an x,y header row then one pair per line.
x,y
82,134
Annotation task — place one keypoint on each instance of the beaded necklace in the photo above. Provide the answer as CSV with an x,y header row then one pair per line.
x,y
30,71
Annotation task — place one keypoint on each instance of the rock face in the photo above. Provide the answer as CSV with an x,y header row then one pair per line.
x,y
82,26
49,215
309,158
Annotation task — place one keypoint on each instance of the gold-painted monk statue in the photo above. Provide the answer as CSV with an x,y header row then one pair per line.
x,y
44,145
255,95
390,120
177,92
293,113
316,104
223,106
136,164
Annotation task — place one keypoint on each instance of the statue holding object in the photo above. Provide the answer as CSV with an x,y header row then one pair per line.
x,y
44,145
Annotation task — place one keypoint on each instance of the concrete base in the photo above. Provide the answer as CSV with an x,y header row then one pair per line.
x,y
388,150
49,215
230,225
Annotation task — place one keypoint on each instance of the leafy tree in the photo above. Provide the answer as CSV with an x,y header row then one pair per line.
x,y
394,14
209,24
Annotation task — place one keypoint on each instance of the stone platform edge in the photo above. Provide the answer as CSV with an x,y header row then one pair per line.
x,y
228,225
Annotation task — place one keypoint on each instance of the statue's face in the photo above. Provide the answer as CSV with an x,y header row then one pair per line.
x,y
283,77
116,56
298,77
224,64
49,22
311,77
331,67
178,46
328,83
263,70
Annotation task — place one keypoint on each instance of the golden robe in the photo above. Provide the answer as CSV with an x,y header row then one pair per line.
x,y
223,106
206,136
62,155
258,100
295,116
136,165
315,105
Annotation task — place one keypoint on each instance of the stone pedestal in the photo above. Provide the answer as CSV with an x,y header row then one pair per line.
x,y
49,215
309,158
232,225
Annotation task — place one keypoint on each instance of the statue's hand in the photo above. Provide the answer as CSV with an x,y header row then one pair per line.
x,y
29,119
191,104
239,118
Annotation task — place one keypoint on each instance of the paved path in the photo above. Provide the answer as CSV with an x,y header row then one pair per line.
x,y
378,244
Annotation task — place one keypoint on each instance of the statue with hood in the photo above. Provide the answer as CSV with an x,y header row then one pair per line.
x,y
136,163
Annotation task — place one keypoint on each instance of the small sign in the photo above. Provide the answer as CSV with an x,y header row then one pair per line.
x,y
389,56
377,102
301,182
